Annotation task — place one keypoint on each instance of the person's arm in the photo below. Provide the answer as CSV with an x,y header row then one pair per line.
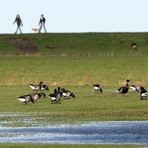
x,y
39,22
14,21
44,20
21,22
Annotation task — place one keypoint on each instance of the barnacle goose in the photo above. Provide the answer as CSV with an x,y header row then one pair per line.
x,y
36,96
134,46
67,93
137,88
143,93
35,87
26,98
56,96
97,88
124,89
44,87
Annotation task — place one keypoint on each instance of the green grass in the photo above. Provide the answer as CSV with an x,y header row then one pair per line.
x,y
70,146
24,145
110,71
87,106
74,44
75,61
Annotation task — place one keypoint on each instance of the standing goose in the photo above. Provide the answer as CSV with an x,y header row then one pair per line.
x,y
66,93
55,97
124,89
36,87
97,88
26,98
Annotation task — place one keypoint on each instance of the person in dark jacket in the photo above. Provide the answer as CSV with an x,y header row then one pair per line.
x,y
42,23
19,23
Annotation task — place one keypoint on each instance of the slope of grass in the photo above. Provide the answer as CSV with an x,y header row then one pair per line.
x,y
74,59
77,61
74,44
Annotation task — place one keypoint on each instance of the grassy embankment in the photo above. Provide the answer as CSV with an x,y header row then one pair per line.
x,y
76,62
70,146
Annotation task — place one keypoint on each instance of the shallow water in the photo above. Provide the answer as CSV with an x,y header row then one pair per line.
x,y
135,132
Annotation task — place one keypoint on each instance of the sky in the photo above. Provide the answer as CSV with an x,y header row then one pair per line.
x,y
76,15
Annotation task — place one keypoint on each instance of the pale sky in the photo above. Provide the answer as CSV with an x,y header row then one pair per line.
x,y
76,15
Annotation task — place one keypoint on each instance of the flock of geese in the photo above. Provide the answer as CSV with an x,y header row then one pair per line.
x,y
138,88
55,97
124,89
39,89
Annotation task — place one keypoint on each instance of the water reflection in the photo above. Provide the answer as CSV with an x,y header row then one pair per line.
x,y
91,132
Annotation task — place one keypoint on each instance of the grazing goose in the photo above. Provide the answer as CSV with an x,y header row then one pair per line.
x,y
134,46
66,93
124,89
26,98
143,93
137,88
134,88
44,87
97,88
36,87
36,96
55,97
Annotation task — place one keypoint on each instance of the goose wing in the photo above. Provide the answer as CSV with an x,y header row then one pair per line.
x,y
32,86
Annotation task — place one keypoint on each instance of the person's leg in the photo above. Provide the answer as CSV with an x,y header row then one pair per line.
x,y
44,28
16,30
40,28
20,29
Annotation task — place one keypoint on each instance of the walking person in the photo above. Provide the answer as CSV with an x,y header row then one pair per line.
x,y
42,23
19,23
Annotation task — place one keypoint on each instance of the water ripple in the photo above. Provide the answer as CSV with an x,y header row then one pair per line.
x,y
135,132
